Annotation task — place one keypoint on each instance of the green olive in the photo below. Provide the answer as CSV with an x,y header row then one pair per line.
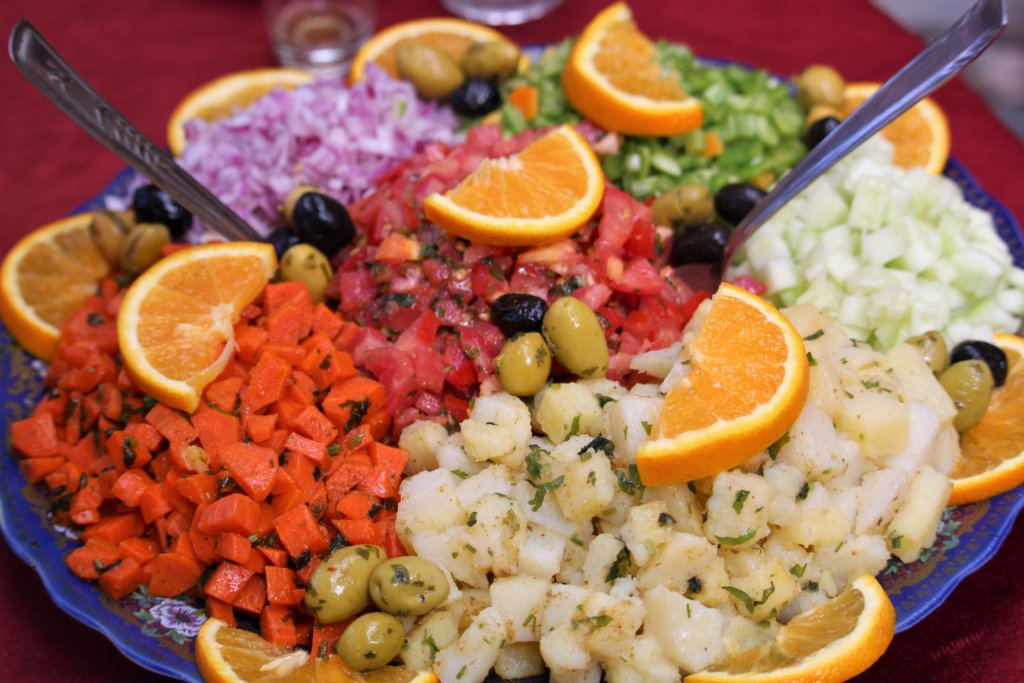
x,y
969,383
108,231
288,208
408,586
821,111
143,246
820,84
306,264
433,73
933,349
683,205
371,641
496,60
340,585
524,364
576,337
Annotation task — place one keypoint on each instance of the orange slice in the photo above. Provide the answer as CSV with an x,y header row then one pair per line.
x,y
226,95
920,136
451,36
540,195
175,325
45,277
828,644
613,78
747,384
992,452
231,655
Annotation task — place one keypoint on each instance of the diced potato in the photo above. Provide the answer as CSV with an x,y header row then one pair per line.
x,y
519,660
680,504
428,502
765,591
422,439
856,555
690,565
588,488
813,446
485,441
923,433
741,634
447,549
548,516
629,421
492,479
645,663
541,553
565,652
494,537
689,633
468,605
917,521
513,415
437,631
565,410
877,499
817,525
878,422
610,624
452,456
647,528
470,658
809,320
519,599
919,383
656,363
738,510
604,553
564,603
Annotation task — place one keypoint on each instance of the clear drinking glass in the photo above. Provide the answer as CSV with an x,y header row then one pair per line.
x,y
319,35
500,12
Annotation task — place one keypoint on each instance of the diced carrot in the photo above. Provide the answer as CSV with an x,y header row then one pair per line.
x,y
324,363
54,402
204,546
301,388
713,145
392,459
288,409
351,472
277,440
299,532
288,351
115,528
286,494
198,488
324,638
305,572
171,423
146,435
326,321
153,504
276,556
276,625
314,424
37,469
121,579
84,507
352,399
227,581
83,453
249,339
379,482
125,452
356,505
259,427
130,485
173,574
358,531
289,312
267,383
234,547
253,596
391,542
224,394
68,475
138,547
255,563
233,513
215,430
218,609
87,561
300,445
379,423
111,401
177,522
526,99
281,586
35,437
266,525
252,467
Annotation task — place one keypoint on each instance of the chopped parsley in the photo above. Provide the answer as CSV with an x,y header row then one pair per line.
x,y
620,567
741,498
748,601
737,540
814,335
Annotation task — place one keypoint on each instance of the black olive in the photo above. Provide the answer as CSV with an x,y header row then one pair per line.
x,y
993,356
153,205
475,97
282,239
819,130
699,244
735,200
322,222
515,313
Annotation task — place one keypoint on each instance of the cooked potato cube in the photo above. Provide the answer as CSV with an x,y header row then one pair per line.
x,y
422,439
916,522
689,633
470,658
566,410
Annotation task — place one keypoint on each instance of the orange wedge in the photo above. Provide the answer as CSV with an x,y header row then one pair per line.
x,y
747,384
231,655
992,452
920,136
451,36
542,194
175,326
828,644
226,95
613,78
45,277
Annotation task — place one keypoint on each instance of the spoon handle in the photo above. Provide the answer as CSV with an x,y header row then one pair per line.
x,y
52,76
944,57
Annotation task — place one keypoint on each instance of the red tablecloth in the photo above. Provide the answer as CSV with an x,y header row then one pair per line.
x,y
143,55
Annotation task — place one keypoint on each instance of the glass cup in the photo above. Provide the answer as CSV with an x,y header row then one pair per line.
x,y
321,36
500,12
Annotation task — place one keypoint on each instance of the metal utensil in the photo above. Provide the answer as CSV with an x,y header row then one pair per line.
x,y
942,59
52,76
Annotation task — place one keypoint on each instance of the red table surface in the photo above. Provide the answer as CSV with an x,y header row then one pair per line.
x,y
144,55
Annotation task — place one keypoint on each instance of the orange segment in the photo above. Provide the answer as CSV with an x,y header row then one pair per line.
x,y
544,193
45,277
613,78
747,384
920,136
992,452
451,36
175,326
226,95
828,644
230,655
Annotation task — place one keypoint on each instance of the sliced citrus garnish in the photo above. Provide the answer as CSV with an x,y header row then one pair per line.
x,y
45,277
830,643
613,78
542,194
920,136
747,384
231,655
175,325
223,96
451,36
992,452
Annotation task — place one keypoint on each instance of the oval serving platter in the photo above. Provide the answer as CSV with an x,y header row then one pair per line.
x,y
157,633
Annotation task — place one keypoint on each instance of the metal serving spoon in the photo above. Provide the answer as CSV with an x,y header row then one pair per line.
x,y
52,76
944,57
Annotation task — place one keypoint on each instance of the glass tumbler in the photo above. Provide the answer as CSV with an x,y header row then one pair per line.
x,y
321,36
500,12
